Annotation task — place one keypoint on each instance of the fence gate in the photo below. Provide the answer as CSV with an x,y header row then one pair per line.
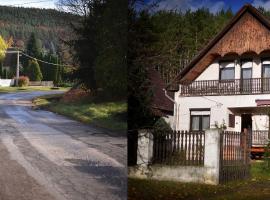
x,y
234,156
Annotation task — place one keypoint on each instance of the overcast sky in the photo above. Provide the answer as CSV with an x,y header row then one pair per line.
x,y
213,5
29,3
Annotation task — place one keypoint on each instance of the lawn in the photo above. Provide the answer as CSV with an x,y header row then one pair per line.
x,y
256,188
109,115
29,89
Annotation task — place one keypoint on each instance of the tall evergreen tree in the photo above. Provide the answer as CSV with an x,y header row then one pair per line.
x,y
33,46
141,37
110,65
33,71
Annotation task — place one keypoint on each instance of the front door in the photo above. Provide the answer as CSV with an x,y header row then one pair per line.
x,y
246,122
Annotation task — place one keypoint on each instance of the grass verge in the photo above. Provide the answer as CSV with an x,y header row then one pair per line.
x,y
256,188
29,89
109,115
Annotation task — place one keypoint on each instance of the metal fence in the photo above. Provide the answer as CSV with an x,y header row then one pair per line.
x,y
179,148
234,156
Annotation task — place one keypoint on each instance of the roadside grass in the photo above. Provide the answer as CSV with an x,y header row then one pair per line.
x,y
29,89
256,188
109,115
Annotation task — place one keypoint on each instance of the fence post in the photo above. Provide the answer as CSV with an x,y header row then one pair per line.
x,y
212,156
145,147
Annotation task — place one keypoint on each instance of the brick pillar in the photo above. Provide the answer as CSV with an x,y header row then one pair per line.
x,y
212,156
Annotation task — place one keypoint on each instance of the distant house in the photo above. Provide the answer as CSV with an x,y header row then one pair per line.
x,y
10,61
161,105
228,83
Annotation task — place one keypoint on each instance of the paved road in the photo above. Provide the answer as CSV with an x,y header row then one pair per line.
x,y
65,159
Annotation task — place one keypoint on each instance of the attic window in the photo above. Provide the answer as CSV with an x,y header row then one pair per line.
x,y
226,70
246,69
266,68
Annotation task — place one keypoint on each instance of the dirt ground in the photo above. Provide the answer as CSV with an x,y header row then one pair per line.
x,y
15,183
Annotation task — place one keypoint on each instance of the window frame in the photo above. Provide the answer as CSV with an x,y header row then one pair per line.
x,y
222,68
263,67
246,60
200,118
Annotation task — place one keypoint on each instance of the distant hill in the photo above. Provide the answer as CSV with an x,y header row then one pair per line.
x,y
49,26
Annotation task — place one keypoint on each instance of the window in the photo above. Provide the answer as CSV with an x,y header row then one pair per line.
x,y
227,70
199,120
231,120
246,69
246,75
266,69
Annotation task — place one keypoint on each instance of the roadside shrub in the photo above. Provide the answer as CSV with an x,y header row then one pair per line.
x,y
266,156
161,126
23,81
66,84
75,95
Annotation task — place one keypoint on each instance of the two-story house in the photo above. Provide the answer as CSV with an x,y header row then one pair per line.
x,y
228,82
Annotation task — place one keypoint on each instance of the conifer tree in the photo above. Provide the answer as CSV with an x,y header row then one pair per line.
x,y
33,71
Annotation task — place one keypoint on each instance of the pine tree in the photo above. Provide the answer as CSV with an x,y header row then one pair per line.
x,y
33,46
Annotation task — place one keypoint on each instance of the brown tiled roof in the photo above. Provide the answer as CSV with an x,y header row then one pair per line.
x,y
160,103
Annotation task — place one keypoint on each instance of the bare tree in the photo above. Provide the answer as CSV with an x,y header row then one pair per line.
x,y
80,7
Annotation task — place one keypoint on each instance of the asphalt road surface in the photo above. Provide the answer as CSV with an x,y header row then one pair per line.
x,y
47,156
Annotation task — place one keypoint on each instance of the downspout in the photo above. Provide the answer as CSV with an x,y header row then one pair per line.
x,y
176,108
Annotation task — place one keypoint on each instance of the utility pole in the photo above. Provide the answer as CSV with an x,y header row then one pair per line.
x,y
18,68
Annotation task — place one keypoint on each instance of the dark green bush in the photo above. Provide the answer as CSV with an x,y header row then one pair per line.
x,y
161,126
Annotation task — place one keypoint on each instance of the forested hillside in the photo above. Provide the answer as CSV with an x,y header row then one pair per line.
x,y
177,37
48,25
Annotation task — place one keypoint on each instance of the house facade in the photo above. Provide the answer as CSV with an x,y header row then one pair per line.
x,y
227,84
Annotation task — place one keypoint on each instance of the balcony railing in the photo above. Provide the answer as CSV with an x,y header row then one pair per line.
x,y
226,87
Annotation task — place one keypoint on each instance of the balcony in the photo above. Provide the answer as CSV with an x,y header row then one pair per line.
x,y
226,87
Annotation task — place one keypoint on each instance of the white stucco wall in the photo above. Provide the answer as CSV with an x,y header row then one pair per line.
x,y
219,104
212,71
6,82
219,110
260,122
